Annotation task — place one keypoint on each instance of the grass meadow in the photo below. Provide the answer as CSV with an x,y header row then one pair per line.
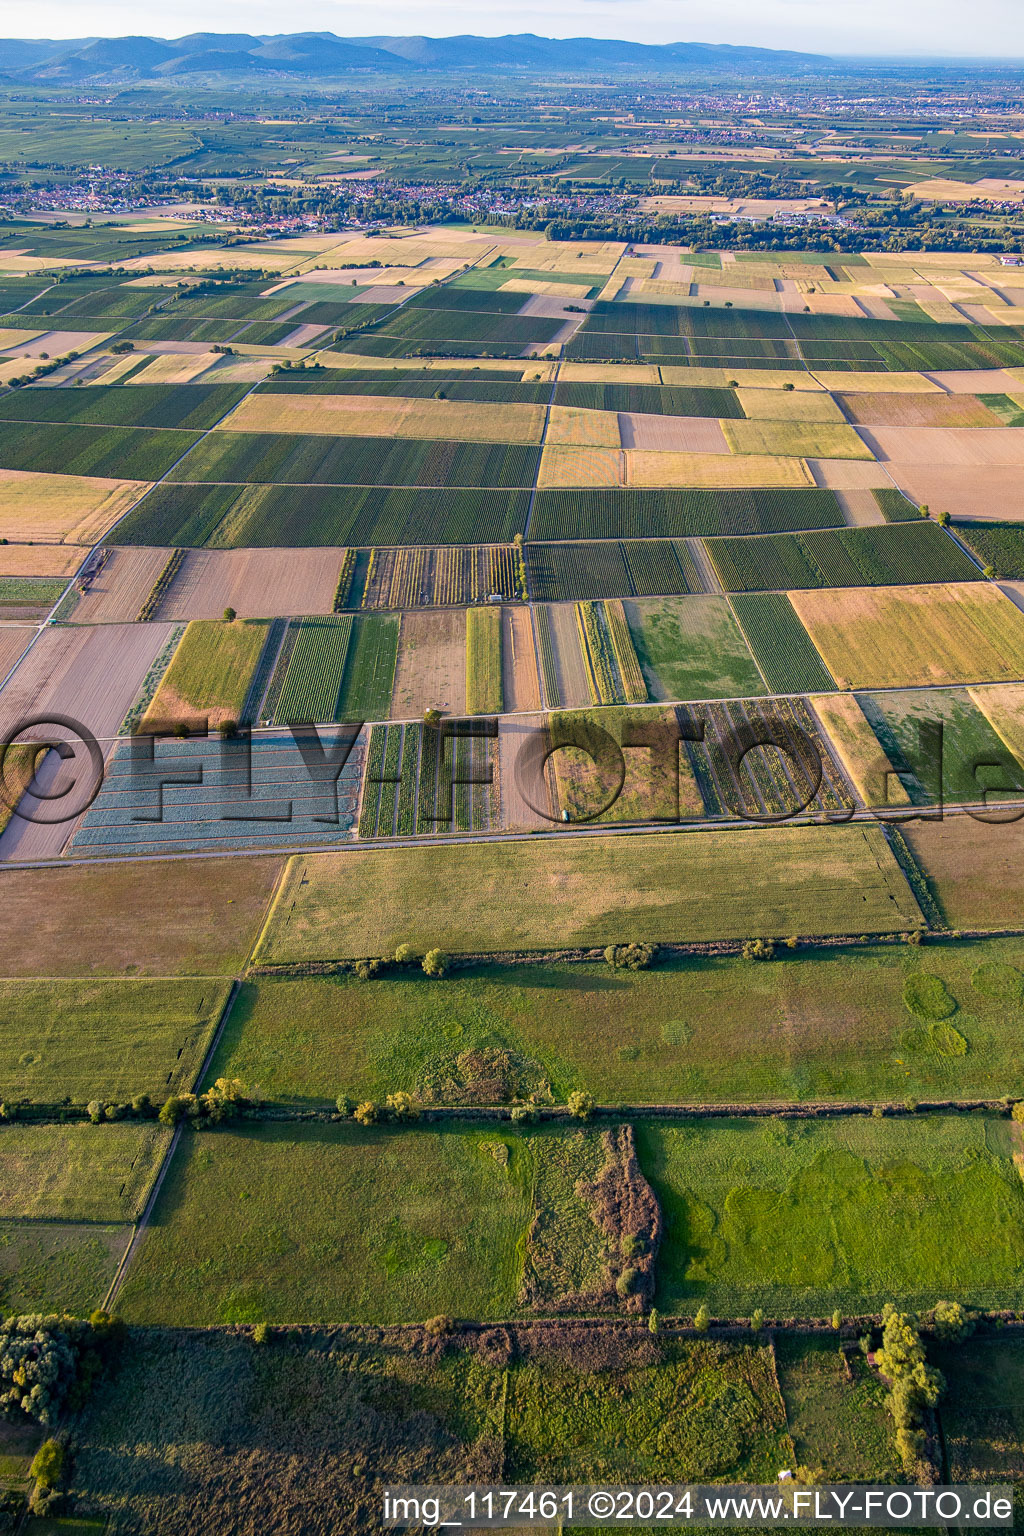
x,y
80,1172
802,1217
810,1025
653,887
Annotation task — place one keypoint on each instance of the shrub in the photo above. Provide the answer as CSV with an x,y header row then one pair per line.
x,y
631,1245
230,615
942,519
523,1114
757,1320
48,1463
402,1106
436,962
654,1321
758,949
631,957
439,1326
702,1322
989,572
344,1105
366,969
1017,1112
837,1319
261,1333
404,953
877,1112
626,1283
927,996
580,1104
368,1113
94,1109
950,1320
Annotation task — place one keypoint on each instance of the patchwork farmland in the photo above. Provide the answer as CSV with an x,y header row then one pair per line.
x,y
551,780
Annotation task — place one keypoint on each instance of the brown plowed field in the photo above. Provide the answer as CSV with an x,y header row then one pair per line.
x,y
431,672
256,583
13,640
918,411
520,683
683,434
122,586
954,446
994,494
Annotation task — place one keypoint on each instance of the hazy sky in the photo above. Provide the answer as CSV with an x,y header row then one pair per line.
x,y
989,27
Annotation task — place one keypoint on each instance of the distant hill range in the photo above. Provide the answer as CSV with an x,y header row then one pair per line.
x,y
322,56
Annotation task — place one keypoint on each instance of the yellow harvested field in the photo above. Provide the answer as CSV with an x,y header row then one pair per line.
x,y
678,434
556,290
1002,704
12,338
713,470
788,405
236,257
58,509
876,383
623,373
14,640
868,768
896,637
40,559
825,440
574,427
989,495
514,367
581,466
954,446
175,368
746,378
389,416
849,474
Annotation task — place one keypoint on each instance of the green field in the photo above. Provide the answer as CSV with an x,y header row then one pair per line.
x,y
636,513
983,1409
269,458
894,555
125,453
323,1223
783,648
483,661
692,648
210,672
315,668
801,1217
363,1414
1000,545
106,1040
968,760
701,1029
370,667
589,890
186,406
835,1422
80,1172
48,1266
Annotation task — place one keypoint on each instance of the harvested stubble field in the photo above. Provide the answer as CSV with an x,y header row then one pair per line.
x,y
888,637
655,1412
692,648
799,439
39,560
80,1172
520,679
431,670
14,638
573,427
179,918
971,863
106,1040
701,1029
1002,704
709,470
788,405
907,410
116,594
671,887
209,675
54,508
406,1222
367,415
484,630
256,583
581,466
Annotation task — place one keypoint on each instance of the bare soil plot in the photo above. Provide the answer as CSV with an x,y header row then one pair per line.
x,y
680,434
860,509
123,584
516,813
849,474
992,494
561,467
431,671
256,583
972,867
56,342
918,411
566,670
89,675
981,381
552,305
520,680
888,637
176,918
867,767
387,416
62,508
785,405
14,638
707,470
40,559
953,446
575,427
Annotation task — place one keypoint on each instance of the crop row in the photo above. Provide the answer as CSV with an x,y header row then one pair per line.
x,y
445,577
410,788
192,407
630,513
780,645
161,586
316,669
651,399
126,453
271,457
893,555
